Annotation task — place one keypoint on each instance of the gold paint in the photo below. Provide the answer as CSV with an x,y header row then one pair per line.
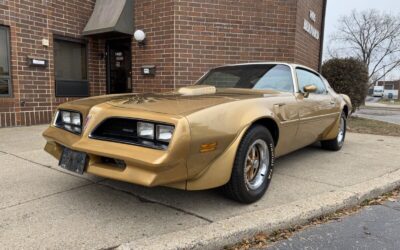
x,y
191,162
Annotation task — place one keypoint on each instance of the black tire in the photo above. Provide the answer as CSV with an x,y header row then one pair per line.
x,y
337,143
238,187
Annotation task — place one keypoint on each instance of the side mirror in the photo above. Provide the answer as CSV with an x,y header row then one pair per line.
x,y
309,89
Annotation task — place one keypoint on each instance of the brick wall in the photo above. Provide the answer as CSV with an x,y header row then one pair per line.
x,y
388,87
210,33
184,39
33,100
156,18
307,48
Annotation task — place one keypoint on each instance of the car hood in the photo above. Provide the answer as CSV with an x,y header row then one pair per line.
x,y
174,103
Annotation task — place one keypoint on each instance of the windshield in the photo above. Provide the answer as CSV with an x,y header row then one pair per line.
x,y
264,77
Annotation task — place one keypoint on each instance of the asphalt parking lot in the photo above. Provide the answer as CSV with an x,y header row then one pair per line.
x,y
42,206
374,227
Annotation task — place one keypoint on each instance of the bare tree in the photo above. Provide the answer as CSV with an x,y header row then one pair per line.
x,y
372,37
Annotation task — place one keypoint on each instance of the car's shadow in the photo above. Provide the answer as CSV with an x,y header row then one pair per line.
x,y
213,204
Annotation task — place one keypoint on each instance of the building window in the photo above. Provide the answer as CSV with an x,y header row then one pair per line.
x,y
5,74
389,86
70,62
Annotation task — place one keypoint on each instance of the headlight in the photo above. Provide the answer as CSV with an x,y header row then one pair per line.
x,y
145,130
164,133
76,119
66,116
69,120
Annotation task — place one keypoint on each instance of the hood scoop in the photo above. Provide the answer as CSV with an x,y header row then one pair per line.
x,y
197,90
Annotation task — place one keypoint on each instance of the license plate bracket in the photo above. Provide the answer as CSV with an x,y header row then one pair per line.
x,y
73,161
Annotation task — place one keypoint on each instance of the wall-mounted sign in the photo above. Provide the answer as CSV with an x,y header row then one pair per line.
x,y
149,70
35,62
310,29
313,16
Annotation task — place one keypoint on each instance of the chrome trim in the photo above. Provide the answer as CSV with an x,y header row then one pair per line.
x,y
256,164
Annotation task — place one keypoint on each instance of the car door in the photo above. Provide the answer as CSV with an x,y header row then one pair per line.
x,y
284,106
317,111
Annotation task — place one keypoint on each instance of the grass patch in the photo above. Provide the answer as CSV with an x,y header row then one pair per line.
x,y
386,101
367,126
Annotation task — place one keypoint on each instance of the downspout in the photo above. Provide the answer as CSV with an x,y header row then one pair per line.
x,y
322,35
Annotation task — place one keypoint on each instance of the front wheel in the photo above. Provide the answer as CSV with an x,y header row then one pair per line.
x,y
253,166
337,143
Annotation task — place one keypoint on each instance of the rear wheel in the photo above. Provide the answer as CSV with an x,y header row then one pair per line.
x,y
337,143
253,166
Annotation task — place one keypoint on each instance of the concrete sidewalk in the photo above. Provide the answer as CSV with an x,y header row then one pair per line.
x,y
42,206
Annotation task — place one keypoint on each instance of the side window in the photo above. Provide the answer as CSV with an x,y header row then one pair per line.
x,y
278,78
328,85
5,75
306,77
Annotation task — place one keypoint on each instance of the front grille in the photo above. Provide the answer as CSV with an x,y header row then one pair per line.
x,y
124,130
117,129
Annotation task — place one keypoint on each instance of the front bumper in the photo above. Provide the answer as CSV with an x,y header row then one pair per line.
x,y
144,166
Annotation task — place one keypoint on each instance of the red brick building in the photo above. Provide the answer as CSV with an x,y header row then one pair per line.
x,y
52,51
390,87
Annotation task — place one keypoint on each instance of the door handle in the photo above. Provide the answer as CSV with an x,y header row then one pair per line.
x,y
333,102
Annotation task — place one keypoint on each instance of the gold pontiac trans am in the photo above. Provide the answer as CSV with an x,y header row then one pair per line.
x,y
224,131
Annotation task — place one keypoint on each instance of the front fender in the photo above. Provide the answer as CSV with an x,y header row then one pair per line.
x,y
225,125
346,102
218,172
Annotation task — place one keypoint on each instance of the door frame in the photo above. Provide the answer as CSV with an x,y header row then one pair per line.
x,y
107,59
317,102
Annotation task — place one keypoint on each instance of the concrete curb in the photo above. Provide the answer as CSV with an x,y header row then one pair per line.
x,y
232,230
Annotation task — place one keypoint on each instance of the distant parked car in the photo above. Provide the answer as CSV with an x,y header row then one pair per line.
x,y
226,130
378,91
